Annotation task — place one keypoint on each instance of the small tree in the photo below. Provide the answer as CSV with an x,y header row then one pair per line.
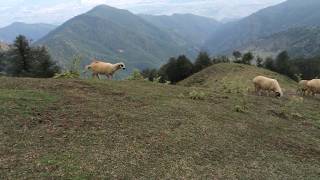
x,y
247,58
259,62
42,65
150,74
20,62
220,59
282,63
202,61
184,68
237,56
176,69
269,64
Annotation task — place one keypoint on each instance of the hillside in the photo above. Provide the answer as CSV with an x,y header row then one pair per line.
x,y
194,29
89,129
231,77
303,41
31,31
289,14
115,35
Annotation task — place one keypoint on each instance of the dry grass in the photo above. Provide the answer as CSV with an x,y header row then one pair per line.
x,y
126,129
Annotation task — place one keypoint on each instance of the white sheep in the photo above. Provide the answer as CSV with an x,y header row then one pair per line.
x,y
303,88
314,86
267,84
103,68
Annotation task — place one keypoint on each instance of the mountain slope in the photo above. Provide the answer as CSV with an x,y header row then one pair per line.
x,y
304,41
290,14
80,129
114,35
195,29
31,31
231,77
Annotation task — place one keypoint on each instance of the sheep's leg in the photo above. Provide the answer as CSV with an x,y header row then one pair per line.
x,y
94,75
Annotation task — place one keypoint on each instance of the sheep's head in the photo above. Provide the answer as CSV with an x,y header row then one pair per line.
x,y
121,66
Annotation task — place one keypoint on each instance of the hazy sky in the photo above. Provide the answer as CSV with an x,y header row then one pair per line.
x,y
57,11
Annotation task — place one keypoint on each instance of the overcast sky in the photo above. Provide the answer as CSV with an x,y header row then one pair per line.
x,y
57,11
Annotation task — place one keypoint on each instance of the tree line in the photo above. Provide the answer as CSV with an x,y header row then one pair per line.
x,y
177,69
24,60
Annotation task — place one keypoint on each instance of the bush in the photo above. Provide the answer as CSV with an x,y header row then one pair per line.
x,y
24,60
73,71
150,74
136,75
196,95
67,75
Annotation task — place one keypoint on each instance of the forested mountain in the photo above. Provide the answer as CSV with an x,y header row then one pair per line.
x,y
32,31
271,20
302,41
195,29
114,35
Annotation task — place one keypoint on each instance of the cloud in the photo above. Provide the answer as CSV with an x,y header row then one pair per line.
x,y
58,11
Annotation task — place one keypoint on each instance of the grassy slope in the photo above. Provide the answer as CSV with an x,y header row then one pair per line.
x,y
234,78
79,129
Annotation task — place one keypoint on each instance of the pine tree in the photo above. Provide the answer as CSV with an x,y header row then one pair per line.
x,y
282,63
21,53
42,65
203,60
269,64
237,56
259,62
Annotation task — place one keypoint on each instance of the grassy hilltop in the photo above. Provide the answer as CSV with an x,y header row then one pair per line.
x,y
132,129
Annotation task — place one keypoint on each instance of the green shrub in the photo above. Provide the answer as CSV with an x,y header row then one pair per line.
x,y
196,95
67,75
73,71
240,109
135,75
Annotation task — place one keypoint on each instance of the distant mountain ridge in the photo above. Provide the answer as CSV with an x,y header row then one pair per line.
x,y
31,31
271,20
193,28
302,41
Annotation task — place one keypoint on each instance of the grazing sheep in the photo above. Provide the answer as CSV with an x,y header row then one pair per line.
x,y
108,69
303,88
314,86
267,84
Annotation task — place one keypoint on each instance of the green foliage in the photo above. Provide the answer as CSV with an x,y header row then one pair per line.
x,y
203,60
73,71
296,69
259,62
150,74
246,58
24,60
197,95
176,69
136,75
67,75
237,56
75,64
282,62
269,64
220,59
